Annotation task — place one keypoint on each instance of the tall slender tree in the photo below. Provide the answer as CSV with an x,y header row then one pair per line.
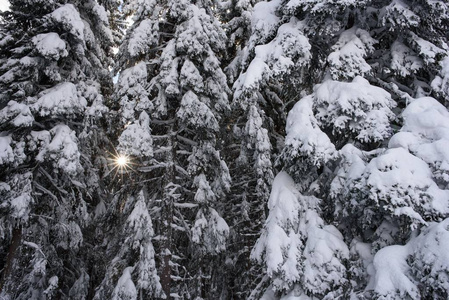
x,y
173,96
263,73
53,80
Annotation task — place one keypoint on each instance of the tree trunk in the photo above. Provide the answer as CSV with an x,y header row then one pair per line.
x,y
167,215
13,248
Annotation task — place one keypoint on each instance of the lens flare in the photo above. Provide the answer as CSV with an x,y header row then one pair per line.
x,y
120,164
122,161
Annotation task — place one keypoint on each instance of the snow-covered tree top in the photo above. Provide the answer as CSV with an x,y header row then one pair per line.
x,y
290,48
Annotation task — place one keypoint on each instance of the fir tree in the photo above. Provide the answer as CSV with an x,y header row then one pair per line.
x,y
173,95
343,145
53,77
264,72
132,274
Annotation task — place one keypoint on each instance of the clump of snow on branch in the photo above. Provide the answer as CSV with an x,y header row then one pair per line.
x,y
17,113
195,112
50,45
417,269
6,151
131,88
210,231
11,152
199,33
351,167
427,50
288,49
426,134
347,59
125,289
264,21
356,107
402,184
136,139
62,150
61,99
404,60
322,6
410,178
190,77
304,136
69,17
258,139
144,37
139,231
17,198
399,14
441,82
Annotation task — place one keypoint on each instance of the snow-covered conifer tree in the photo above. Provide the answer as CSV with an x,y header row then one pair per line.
x,y
379,72
302,255
173,94
263,74
53,68
132,272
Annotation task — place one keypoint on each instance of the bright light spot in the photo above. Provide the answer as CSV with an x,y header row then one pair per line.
x,y
122,161
120,164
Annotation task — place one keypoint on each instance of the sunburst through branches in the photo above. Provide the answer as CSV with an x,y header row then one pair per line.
x,y
121,164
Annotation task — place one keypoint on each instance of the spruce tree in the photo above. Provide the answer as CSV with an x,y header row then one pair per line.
x,y
172,96
53,80
266,67
351,142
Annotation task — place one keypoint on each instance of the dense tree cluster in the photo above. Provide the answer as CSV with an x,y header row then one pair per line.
x,y
224,149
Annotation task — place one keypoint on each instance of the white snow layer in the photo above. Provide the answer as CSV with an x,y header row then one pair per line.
x,y
18,114
318,6
6,151
210,231
404,60
441,81
394,265
70,18
289,48
399,14
347,59
132,91
139,222
62,149
295,244
264,19
196,112
125,288
143,38
61,99
304,136
136,139
426,134
356,106
279,227
50,45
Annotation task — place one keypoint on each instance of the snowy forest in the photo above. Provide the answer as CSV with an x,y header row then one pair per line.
x,y
224,149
